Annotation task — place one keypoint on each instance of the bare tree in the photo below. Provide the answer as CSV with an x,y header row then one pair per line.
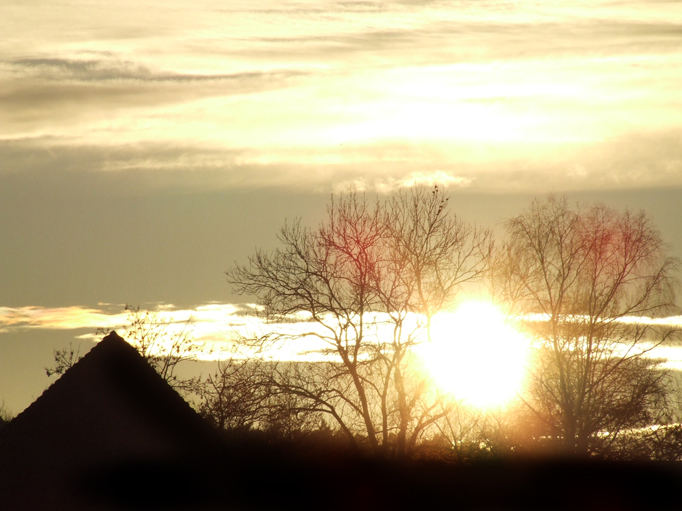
x,y
588,274
250,394
64,358
360,279
232,397
162,346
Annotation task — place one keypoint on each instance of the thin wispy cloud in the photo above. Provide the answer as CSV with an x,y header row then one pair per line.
x,y
57,318
88,70
218,331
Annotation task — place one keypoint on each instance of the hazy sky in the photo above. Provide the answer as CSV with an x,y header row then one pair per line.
x,y
145,146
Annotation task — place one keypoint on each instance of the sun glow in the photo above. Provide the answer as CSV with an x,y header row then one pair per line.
x,y
476,355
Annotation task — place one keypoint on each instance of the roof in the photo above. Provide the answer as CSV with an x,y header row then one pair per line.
x,y
110,407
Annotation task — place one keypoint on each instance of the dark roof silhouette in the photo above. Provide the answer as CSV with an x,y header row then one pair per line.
x,y
111,407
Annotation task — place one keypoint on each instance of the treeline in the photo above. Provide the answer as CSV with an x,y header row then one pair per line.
x,y
373,265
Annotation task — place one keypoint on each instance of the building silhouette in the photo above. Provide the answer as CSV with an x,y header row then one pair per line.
x,y
109,411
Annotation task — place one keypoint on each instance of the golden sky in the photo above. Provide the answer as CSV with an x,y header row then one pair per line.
x,y
487,95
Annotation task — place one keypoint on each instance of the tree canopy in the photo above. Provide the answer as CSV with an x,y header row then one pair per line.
x,y
592,277
357,278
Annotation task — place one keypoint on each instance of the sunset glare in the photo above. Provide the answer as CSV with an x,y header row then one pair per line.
x,y
476,356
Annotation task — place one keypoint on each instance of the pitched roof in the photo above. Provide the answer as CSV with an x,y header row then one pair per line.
x,y
110,407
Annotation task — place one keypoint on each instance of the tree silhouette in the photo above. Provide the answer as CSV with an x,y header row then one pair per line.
x,y
589,273
162,346
63,359
238,397
359,279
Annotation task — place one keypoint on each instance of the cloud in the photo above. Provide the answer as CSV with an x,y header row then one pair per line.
x,y
638,160
446,35
389,184
111,316
57,95
212,329
487,95
57,318
92,70
41,156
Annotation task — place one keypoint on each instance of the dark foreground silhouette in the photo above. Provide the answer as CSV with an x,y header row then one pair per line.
x,y
111,434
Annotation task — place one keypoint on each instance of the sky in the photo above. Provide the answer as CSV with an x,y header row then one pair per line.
x,y
146,148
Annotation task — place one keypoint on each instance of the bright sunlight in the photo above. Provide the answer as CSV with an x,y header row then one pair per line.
x,y
476,355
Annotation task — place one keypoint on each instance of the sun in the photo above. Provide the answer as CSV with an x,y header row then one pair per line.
x,y
476,356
